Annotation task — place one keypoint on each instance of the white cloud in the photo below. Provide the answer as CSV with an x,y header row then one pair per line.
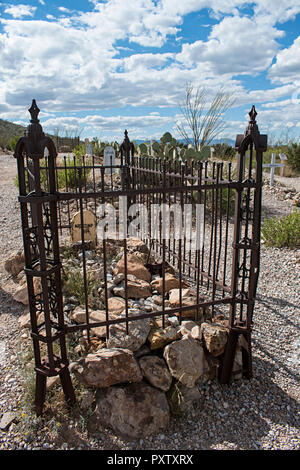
x,y
287,66
18,11
229,50
42,2
64,10
74,63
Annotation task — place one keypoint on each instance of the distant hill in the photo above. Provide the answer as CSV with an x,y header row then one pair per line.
x,y
8,130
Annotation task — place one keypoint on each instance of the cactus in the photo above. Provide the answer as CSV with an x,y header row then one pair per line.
x,y
143,149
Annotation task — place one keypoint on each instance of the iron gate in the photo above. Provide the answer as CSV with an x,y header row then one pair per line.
x,y
223,269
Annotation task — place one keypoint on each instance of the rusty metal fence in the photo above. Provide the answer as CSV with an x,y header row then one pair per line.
x,y
222,270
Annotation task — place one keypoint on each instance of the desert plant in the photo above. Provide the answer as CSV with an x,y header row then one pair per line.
x,y
283,231
68,174
74,284
224,151
293,156
204,125
13,142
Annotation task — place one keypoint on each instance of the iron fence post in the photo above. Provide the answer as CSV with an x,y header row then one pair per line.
x,y
42,261
243,293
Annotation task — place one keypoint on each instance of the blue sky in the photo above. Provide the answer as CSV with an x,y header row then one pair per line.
x,y
98,67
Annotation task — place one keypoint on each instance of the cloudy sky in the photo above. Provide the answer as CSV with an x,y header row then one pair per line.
x,y
96,67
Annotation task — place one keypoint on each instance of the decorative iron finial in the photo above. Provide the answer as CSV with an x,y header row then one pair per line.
x,y
126,147
34,131
252,126
253,114
34,112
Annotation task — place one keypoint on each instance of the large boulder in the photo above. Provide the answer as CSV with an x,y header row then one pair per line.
x,y
133,411
138,331
107,367
186,360
155,370
214,337
134,266
15,263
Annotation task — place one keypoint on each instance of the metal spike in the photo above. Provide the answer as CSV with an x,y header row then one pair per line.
x,y
34,112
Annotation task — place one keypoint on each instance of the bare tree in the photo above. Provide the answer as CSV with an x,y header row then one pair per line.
x,y
204,121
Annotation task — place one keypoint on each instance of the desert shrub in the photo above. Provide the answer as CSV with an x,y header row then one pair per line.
x,y
224,151
284,231
293,156
13,142
66,175
74,285
69,176
226,198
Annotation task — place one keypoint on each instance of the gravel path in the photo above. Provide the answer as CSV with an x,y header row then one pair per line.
x,y
259,414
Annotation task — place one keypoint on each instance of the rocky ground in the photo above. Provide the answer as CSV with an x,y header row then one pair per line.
x,y
259,414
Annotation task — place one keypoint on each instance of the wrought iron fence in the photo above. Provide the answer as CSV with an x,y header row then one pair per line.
x,y
220,265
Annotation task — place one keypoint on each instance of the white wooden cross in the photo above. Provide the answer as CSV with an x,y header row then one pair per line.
x,y
272,167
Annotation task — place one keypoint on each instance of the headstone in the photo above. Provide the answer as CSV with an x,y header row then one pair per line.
x,y
89,149
109,159
272,167
89,227
283,160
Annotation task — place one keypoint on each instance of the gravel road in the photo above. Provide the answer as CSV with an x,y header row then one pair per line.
x,y
262,413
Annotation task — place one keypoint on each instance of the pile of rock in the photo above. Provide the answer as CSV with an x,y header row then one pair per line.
x,y
137,375
283,192
139,370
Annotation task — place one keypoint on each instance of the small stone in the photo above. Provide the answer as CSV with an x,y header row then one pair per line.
x,y
136,289
7,419
159,337
134,266
171,282
118,278
21,294
15,263
215,338
138,331
189,299
116,305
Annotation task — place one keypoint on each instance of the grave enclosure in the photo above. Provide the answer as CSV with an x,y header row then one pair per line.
x,y
210,284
